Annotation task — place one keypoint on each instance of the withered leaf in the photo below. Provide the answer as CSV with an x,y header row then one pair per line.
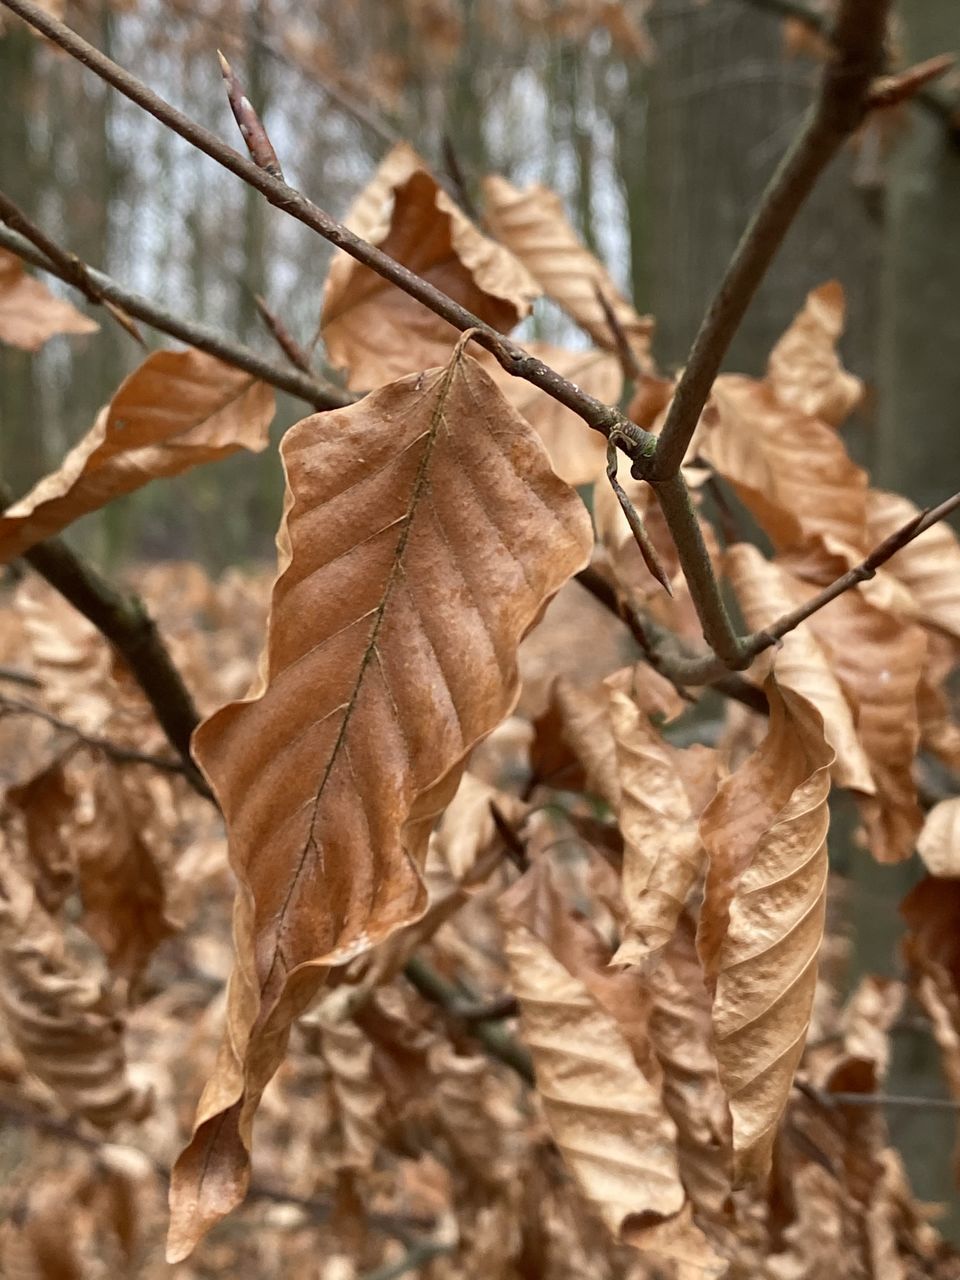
x,y
939,842
763,916
178,410
29,312
804,368
606,1116
534,226
424,532
376,331
790,470
663,790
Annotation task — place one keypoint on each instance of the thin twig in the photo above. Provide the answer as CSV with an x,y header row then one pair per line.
x,y
251,127
285,340
907,1102
840,106
495,1039
122,755
205,338
637,443
412,1260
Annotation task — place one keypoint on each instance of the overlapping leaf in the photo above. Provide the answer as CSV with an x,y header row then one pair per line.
x,y
939,841
373,329
663,790
29,312
763,916
424,532
178,410
534,226
929,566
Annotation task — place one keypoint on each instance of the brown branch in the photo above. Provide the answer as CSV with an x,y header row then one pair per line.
x,y
248,122
637,443
495,1039
320,395
908,1102
840,106
415,1258
284,339
122,755
890,90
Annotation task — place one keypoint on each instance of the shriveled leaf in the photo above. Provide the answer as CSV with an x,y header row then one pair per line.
x,y
763,916
878,659
663,790
178,410
681,1032
929,566
804,369
358,1097
573,747
534,226
939,842
765,591
605,1114
373,329
791,470
467,828
424,532
577,453
59,1018
29,312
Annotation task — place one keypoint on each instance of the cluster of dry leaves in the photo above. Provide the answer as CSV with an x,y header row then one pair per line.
x,y
413,848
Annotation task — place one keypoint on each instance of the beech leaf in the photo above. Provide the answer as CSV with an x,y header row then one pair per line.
x,y
929,566
30,313
534,226
763,916
424,532
178,410
939,842
804,368
663,790
376,331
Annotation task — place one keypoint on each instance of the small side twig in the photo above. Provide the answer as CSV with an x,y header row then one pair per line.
x,y
830,1101
121,754
249,123
285,340
201,336
413,1259
890,90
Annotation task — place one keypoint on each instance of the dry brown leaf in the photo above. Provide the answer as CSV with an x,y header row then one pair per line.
x,y
878,659
663,790
467,827
178,410
763,917
424,532
606,1116
534,226
573,747
29,312
790,470
929,566
60,1019
804,369
765,591
577,453
376,331
939,842
681,1032
357,1094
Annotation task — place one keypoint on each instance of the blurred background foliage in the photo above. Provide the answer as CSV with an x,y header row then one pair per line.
x,y
658,124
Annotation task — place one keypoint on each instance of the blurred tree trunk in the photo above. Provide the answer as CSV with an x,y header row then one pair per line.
x,y
919,369
724,102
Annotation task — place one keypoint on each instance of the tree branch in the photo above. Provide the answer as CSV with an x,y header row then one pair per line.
x,y
320,395
637,443
122,755
841,104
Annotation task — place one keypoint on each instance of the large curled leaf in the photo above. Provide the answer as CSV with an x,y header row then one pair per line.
x,y
178,410
763,915
424,532
376,331
29,312
533,225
